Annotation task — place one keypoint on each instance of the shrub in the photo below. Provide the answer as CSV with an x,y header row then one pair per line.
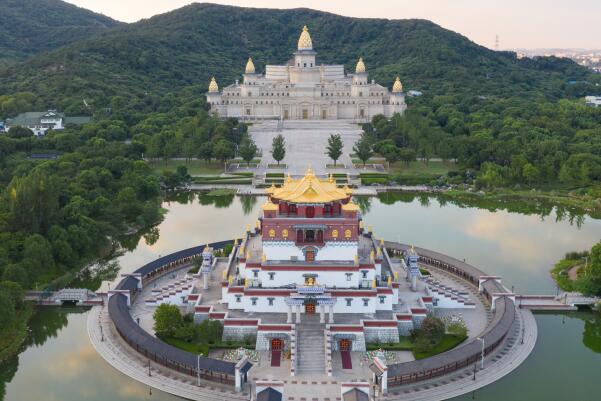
x,y
167,319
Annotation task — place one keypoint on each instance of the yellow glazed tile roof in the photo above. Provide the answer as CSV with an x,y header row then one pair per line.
x,y
310,189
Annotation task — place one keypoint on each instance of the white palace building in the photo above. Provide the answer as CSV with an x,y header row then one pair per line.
x,y
304,90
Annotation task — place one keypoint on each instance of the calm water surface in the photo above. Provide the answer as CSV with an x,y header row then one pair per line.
x,y
60,364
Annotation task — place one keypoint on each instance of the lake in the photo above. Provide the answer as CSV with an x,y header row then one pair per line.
x,y
518,242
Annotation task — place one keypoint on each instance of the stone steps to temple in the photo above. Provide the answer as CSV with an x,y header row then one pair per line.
x,y
310,346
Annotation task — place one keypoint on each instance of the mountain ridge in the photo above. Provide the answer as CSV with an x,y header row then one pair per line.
x,y
42,25
187,46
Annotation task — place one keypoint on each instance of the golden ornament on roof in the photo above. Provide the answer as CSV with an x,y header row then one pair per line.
x,y
360,68
304,41
250,66
398,86
213,87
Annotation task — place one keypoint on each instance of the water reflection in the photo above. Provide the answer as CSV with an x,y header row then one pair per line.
x,y
541,208
591,337
519,243
248,204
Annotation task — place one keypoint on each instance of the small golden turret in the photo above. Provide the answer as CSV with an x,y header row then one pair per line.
x,y
248,228
304,41
398,86
213,87
373,283
389,281
360,68
250,66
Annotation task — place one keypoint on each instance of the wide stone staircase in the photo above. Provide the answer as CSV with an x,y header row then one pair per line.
x,y
311,347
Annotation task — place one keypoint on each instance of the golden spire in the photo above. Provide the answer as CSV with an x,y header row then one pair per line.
x,y
398,86
250,66
304,41
213,85
360,68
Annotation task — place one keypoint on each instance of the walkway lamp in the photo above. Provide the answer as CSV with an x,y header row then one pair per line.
x,y
198,369
475,364
482,355
149,373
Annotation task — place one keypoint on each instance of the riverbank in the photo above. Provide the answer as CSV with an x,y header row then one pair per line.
x,y
13,336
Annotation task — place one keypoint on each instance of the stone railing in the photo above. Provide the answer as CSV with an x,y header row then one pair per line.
x,y
469,352
328,352
293,350
148,345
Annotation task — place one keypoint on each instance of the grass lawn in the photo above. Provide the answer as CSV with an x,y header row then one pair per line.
x,y
448,342
404,344
202,349
418,168
561,275
195,167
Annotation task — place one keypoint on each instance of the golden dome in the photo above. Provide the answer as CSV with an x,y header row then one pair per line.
x,y
360,68
250,66
304,41
213,86
310,189
398,86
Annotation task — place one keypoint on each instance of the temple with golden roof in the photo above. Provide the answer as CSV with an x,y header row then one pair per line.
x,y
310,250
302,89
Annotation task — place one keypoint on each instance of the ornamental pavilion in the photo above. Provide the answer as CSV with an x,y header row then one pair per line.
x,y
302,89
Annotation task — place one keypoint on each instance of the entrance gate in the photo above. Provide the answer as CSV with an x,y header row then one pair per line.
x,y
309,309
276,351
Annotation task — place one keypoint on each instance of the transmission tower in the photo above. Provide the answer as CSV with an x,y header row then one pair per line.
x,y
496,42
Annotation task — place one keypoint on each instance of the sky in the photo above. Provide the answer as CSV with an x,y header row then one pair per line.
x,y
518,23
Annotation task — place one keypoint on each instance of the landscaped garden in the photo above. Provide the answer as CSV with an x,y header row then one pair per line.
x,y
434,337
181,332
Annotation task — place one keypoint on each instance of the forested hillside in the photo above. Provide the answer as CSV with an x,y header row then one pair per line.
x,y
188,46
35,26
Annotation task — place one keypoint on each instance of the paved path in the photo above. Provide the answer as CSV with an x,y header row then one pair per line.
x,y
507,358
306,143
111,347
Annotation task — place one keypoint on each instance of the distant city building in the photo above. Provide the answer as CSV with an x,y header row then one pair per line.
x,y
594,101
41,121
302,89
2,127
414,93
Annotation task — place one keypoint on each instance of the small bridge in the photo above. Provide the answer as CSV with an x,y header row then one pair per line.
x,y
77,296
567,301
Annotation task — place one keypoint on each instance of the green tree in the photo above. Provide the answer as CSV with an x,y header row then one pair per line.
x,y
278,148
15,292
19,132
167,320
248,149
363,149
17,274
205,151
390,153
407,155
223,150
7,309
334,148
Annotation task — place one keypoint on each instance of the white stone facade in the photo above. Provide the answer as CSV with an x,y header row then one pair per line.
x,y
302,89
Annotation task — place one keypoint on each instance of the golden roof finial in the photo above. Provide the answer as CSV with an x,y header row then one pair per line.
x,y
288,178
304,41
213,87
398,86
247,227
330,178
360,68
250,66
